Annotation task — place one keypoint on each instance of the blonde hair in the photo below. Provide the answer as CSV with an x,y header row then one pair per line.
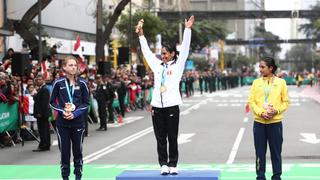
x,y
66,59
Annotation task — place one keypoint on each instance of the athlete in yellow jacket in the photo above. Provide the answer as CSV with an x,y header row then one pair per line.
x,y
268,100
276,90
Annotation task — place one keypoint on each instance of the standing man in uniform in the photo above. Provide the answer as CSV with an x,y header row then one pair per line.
x,y
70,98
101,95
111,95
42,112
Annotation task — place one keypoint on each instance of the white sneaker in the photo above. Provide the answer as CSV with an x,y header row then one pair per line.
x,y
173,170
164,170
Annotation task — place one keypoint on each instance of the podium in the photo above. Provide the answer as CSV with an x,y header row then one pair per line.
x,y
183,175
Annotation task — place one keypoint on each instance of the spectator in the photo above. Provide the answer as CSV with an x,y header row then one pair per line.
x,y
42,112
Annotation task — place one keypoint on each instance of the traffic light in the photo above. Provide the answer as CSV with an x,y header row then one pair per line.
x,y
110,51
295,14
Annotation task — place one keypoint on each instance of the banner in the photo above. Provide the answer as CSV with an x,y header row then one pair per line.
x,y
8,117
189,65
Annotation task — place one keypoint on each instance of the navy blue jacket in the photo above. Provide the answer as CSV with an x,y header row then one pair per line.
x,y
59,96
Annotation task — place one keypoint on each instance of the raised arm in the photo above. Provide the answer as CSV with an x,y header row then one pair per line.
x,y
147,53
185,45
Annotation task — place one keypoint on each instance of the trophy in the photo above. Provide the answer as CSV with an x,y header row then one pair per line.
x,y
140,25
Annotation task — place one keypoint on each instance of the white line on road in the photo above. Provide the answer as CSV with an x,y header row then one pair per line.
x,y
235,146
96,155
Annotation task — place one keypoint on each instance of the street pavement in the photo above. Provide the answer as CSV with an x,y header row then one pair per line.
x,y
215,133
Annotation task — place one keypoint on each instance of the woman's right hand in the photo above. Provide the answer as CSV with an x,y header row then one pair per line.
x,y
139,26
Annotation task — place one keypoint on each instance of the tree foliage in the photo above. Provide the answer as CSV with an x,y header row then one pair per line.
x,y
312,29
207,31
25,26
203,33
152,26
260,32
303,57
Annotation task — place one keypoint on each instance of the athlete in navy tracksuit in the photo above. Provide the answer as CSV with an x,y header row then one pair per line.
x,y
70,126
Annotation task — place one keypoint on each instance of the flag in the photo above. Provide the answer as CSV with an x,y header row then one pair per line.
x,y
44,69
26,104
77,44
78,50
247,108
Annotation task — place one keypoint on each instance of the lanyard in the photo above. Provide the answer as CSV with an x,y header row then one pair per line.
x,y
163,76
267,90
68,90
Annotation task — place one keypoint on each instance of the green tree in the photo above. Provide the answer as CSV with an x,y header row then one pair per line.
x,y
203,33
302,57
312,29
260,32
152,26
109,20
26,28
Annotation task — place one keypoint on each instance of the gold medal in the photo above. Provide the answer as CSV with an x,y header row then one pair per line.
x,y
163,89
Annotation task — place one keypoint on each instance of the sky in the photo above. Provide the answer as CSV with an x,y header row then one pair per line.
x,y
282,27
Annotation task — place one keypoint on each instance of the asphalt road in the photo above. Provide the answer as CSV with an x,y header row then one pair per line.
x,y
214,129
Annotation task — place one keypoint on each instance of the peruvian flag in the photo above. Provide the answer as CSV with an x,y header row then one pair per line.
x,y
44,66
247,108
27,104
77,48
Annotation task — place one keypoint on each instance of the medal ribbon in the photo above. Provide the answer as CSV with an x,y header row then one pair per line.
x,y
68,90
267,90
164,76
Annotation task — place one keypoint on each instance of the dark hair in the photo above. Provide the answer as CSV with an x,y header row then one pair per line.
x,y
171,48
40,76
10,49
270,62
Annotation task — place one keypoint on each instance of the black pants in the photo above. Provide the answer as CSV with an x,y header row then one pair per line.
x,y
66,136
44,133
271,134
121,104
166,125
102,110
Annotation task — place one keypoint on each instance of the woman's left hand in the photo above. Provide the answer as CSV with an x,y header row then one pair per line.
x,y
188,23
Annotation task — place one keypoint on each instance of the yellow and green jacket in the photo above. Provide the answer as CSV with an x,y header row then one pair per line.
x,y
278,97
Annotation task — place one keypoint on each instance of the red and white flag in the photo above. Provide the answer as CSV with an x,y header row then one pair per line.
x,y
77,48
44,69
28,103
